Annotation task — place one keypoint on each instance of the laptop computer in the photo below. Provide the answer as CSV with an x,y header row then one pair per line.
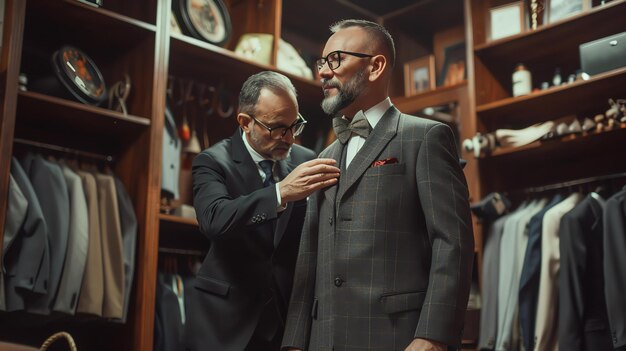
x,y
604,54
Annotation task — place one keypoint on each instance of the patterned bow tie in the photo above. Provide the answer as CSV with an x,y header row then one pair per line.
x,y
344,128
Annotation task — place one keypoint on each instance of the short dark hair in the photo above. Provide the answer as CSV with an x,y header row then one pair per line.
x,y
251,89
379,33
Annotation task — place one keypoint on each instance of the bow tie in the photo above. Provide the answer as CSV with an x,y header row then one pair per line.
x,y
344,128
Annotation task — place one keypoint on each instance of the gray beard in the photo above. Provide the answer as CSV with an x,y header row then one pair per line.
x,y
346,95
333,104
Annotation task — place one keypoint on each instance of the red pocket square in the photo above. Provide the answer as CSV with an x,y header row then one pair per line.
x,y
386,161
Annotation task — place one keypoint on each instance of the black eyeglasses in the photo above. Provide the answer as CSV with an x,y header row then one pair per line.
x,y
334,59
278,133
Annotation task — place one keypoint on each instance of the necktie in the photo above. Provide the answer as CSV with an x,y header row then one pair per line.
x,y
266,166
344,128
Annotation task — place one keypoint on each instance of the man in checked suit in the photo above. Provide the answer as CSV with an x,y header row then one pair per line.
x,y
250,195
386,254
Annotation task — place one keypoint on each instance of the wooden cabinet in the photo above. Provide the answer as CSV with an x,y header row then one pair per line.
x,y
135,38
551,46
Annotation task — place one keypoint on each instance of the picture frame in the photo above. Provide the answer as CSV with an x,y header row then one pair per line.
x,y
506,20
419,75
454,69
206,20
557,10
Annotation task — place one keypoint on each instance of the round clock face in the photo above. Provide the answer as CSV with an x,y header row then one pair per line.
x,y
207,19
82,72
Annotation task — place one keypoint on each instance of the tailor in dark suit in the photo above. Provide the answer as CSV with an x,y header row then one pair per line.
x,y
248,258
254,224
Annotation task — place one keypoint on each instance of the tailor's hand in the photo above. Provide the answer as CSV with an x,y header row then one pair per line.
x,y
425,345
307,178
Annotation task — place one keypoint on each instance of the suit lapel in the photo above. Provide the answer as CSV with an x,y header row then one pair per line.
x,y
378,139
334,151
251,180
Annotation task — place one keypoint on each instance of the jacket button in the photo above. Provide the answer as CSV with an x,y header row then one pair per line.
x,y
330,220
338,282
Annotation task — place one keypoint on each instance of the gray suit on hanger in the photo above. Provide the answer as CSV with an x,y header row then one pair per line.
x,y
27,261
49,184
17,207
77,245
491,264
386,255
128,224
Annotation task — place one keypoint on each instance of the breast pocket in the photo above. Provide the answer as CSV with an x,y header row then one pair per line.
x,y
212,285
386,170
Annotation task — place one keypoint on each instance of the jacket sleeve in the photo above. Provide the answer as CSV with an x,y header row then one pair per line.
x,y
219,214
444,198
298,324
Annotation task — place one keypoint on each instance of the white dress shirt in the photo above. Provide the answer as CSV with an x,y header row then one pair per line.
x,y
373,115
256,157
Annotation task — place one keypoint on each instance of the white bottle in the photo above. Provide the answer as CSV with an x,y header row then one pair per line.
x,y
522,82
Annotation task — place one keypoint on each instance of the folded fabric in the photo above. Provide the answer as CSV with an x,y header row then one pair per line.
x,y
491,206
521,137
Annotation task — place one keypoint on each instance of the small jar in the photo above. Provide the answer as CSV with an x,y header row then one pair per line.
x,y
522,81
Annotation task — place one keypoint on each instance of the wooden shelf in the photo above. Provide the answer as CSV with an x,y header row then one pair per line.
x,y
574,98
568,143
438,96
540,163
192,56
180,233
113,28
74,124
550,40
183,221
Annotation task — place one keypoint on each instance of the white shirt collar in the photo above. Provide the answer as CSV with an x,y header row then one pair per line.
x,y
256,157
376,112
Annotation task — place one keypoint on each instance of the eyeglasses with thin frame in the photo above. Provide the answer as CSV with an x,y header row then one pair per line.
x,y
334,59
277,133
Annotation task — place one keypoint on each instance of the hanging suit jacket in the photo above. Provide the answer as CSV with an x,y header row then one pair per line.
x,y
77,245
128,226
512,251
529,281
91,296
51,189
17,208
546,326
28,260
112,252
386,255
489,291
253,247
168,326
614,263
583,320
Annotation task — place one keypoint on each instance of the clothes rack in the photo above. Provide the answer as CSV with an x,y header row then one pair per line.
x,y
63,149
567,184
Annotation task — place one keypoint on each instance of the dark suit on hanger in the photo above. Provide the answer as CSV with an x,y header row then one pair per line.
x,y
583,321
614,263
248,271
529,281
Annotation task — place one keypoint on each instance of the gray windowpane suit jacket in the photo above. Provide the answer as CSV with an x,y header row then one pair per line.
x,y
386,255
